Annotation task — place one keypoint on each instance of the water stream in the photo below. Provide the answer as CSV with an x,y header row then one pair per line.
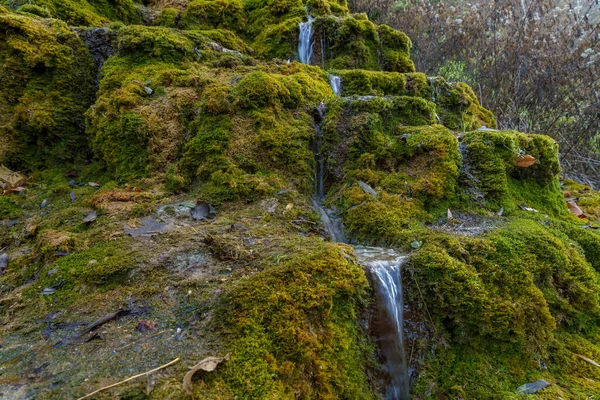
x,y
384,266
305,40
336,84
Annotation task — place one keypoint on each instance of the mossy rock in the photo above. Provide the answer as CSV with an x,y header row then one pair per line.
x,y
81,13
47,78
293,321
492,157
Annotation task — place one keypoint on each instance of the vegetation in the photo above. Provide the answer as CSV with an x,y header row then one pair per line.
x,y
169,171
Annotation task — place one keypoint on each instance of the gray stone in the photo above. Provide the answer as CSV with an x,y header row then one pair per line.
x,y
533,387
367,189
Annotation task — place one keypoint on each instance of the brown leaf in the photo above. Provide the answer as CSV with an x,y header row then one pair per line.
x,y
525,161
575,210
208,364
10,179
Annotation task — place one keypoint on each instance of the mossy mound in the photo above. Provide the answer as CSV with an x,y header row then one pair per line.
x,y
354,42
200,106
46,75
81,13
493,159
294,323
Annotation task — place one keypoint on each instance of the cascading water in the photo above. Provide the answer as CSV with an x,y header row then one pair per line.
x,y
336,84
385,267
305,40
331,221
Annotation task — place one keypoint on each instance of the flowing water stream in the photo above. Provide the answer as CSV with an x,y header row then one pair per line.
x,y
384,266
305,40
336,84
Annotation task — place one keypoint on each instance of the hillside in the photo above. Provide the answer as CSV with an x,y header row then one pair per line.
x,y
173,179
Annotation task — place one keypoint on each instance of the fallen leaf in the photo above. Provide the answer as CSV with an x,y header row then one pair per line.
x,y
17,189
500,212
145,326
208,364
44,203
575,210
289,206
450,216
525,161
416,244
94,185
10,179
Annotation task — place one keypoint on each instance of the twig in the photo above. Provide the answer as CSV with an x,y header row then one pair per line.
x,y
117,314
129,379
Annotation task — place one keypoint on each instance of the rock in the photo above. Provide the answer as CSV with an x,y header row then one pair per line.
x,y
367,189
203,211
44,203
3,262
416,244
269,205
533,387
91,217
149,227
148,90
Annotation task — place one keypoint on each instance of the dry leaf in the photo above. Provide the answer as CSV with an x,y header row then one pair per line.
x,y
289,206
17,189
575,210
525,161
208,364
10,179
94,185
450,216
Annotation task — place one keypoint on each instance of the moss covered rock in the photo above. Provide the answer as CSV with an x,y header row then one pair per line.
x,y
46,75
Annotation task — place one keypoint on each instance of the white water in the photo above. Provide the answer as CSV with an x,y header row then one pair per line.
x,y
385,267
336,84
305,42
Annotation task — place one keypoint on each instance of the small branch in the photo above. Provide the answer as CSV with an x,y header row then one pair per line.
x,y
129,379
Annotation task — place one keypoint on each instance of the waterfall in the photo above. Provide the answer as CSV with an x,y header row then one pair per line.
x,y
385,267
305,42
336,84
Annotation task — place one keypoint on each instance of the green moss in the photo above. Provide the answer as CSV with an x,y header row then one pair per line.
x,y
458,107
99,268
493,156
209,14
292,330
373,83
46,74
506,296
83,13
260,89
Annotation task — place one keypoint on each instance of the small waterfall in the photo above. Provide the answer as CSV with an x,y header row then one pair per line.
x,y
331,221
305,41
385,267
336,84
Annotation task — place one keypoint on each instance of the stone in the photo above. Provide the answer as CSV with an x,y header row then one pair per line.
x,y
533,387
367,189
